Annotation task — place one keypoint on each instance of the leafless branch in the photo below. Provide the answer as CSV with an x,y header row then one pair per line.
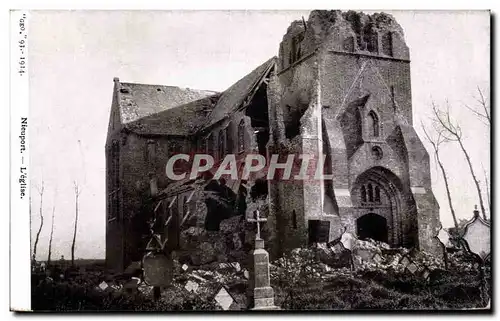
x,y
436,142
52,229
487,189
453,132
40,192
77,195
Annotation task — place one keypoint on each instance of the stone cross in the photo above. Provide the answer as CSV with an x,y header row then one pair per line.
x,y
263,293
257,220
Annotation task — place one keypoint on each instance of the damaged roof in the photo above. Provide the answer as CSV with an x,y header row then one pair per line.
x,y
233,97
177,121
169,110
140,100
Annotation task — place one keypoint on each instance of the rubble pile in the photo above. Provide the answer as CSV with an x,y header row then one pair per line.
x,y
232,242
327,260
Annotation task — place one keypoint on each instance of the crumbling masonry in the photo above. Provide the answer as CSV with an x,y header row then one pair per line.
x,y
340,89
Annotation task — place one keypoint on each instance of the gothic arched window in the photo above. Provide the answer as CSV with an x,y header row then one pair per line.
x,y
363,194
241,136
373,124
387,44
377,194
372,42
370,193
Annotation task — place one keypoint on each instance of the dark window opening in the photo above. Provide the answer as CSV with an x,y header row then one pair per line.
x,y
151,151
370,37
387,44
373,124
377,194
258,112
259,189
370,193
242,199
377,153
318,231
363,194
294,219
393,98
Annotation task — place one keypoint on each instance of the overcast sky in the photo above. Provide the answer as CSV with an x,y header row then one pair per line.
x,y
74,56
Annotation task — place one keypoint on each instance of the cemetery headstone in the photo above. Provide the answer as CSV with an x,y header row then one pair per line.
x,y
476,240
103,286
158,269
412,267
224,299
477,237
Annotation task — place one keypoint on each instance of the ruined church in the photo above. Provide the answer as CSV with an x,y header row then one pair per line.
x,y
339,87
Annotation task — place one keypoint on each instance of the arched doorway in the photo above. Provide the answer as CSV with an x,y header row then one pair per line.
x,y
372,226
378,191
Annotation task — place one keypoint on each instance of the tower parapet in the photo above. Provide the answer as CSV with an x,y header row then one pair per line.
x,y
376,34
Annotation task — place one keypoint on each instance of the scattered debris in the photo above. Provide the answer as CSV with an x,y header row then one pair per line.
x,y
191,286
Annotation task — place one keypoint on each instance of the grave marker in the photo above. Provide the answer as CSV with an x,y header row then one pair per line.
x,y
158,269
263,293
477,237
103,286
224,299
477,241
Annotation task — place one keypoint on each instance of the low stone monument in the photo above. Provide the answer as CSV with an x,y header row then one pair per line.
x,y
263,293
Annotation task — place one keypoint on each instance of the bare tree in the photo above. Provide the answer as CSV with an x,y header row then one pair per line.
x,y
52,229
40,192
487,188
77,194
452,132
483,113
436,142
